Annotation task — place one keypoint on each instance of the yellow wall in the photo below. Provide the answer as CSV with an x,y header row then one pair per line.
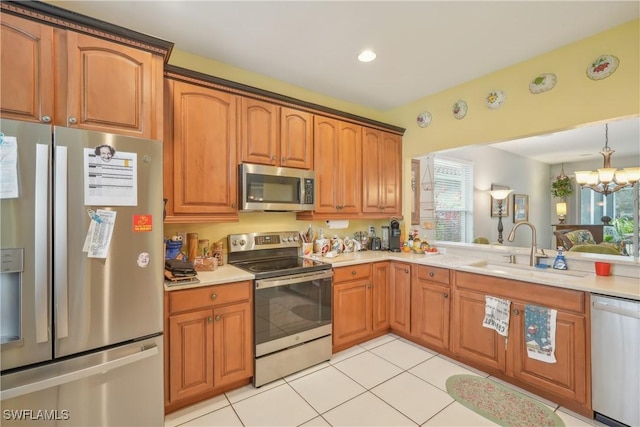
x,y
218,69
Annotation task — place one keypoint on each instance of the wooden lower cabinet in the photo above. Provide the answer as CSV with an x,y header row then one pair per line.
x,y
209,342
430,306
352,305
564,378
568,380
381,283
360,303
400,297
469,339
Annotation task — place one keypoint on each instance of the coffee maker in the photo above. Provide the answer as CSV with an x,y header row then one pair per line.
x,y
394,236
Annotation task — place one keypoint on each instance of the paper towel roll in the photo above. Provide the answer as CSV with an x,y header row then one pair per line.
x,y
338,224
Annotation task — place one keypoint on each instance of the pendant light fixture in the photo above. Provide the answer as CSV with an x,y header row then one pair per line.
x,y
607,179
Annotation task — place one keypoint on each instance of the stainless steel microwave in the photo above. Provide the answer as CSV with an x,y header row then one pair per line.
x,y
270,188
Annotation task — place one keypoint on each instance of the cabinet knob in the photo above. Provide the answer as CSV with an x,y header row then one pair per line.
x,y
214,296
516,311
218,318
406,270
446,295
72,120
273,157
353,273
209,319
369,285
284,159
431,274
46,119
233,205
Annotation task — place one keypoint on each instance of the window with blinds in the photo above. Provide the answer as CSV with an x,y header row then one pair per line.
x,y
453,188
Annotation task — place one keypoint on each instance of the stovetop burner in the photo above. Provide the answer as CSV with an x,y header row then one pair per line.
x,y
269,255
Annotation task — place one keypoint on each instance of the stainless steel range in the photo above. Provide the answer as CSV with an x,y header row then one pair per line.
x,y
292,303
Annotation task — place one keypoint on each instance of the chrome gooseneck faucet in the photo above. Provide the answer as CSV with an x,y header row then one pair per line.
x,y
534,248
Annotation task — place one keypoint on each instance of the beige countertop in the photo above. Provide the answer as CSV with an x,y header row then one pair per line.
x,y
588,281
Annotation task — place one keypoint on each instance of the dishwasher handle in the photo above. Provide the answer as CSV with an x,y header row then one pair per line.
x,y
603,306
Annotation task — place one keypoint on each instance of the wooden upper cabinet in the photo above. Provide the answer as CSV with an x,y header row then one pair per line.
x,y
26,60
382,174
338,166
275,136
200,153
77,80
259,132
112,88
296,138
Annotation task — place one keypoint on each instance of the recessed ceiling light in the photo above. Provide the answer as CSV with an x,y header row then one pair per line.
x,y
367,56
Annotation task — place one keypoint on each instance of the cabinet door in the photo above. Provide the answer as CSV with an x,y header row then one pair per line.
x,y
351,311
233,343
259,132
382,155
190,354
430,312
380,281
568,376
469,339
349,168
325,161
27,70
296,138
204,155
400,297
111,88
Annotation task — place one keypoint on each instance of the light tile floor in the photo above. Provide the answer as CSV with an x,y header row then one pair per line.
x,y
387,381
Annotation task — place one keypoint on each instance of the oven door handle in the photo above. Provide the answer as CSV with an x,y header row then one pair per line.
x,y
290,280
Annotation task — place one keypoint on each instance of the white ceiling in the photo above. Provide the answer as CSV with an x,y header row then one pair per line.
x,y
423,47
580,144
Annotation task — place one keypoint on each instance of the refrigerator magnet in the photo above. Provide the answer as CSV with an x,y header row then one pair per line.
x,y
143,259
142,223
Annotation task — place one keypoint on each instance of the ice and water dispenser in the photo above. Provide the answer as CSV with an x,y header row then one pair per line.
x,y
11,268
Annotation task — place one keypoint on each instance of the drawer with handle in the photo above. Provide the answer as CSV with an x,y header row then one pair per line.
x,y
190,299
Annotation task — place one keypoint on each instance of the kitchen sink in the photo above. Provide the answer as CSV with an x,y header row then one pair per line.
x,y
526,271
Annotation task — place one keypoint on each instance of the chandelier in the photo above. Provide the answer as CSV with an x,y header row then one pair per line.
x,y
607,180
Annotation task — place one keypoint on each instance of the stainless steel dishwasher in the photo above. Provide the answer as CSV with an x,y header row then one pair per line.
x,y
615,360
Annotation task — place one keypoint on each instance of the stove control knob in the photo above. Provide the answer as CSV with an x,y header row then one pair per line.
x,y
295,238
289,238
243,242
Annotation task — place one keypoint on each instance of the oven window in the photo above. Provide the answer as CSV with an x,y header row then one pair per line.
x,y
272,189
290,309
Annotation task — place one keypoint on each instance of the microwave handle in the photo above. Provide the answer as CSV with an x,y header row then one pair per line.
x,y
301,191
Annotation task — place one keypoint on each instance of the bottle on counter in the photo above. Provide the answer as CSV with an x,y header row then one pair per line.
x,y
560,263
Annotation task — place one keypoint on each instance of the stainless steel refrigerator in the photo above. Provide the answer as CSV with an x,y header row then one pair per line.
x,y
81,305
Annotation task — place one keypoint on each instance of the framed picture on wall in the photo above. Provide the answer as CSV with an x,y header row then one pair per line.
x,y
505,203
520,208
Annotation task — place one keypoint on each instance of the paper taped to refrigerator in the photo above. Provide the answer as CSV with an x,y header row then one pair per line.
x,y
98,239
111,179
9,167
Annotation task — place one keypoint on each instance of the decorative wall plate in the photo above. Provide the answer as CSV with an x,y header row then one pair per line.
x,y
460,109
495,99
602,67
542,83
424,119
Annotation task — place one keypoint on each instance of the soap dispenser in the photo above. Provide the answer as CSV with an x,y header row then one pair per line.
x,y
560,263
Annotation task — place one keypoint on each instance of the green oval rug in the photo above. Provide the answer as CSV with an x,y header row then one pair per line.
x,y
500,404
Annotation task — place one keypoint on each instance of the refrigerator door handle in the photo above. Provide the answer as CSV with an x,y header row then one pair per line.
x,y
79,374
41,251
61,246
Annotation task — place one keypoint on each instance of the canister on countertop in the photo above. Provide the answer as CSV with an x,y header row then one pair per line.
x,y
203,248
192,246
218,251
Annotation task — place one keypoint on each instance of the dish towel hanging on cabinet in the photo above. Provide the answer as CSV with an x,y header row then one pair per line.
x,y
540,333
496,314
